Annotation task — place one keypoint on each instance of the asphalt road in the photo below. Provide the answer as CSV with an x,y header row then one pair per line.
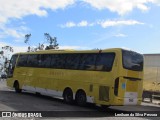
x,y
11,101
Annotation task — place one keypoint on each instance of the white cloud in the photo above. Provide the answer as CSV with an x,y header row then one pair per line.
x,y
2,44
12,32
15,32
122,7
13,9
111,23
83,23
102,23
69,24
120,35
21,8
15,48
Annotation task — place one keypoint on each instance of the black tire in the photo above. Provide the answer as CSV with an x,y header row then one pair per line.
x,y
68,96
17,89
104,107
143,99
81,98
150,98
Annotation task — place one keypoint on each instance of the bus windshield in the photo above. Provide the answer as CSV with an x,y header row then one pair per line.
x,y
132,60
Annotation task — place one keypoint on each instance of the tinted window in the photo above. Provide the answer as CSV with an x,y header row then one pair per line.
x,y
45,61
13,60
90,61
12,65
54,60
132,60
34,60
87,61
72,61
58,61
105,61
22,61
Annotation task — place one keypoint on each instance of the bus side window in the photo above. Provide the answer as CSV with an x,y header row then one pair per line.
x,y
69,61
62,61
53,60
72,61
33,60
22,61
87,62
58,61
105,61
45,61
12,65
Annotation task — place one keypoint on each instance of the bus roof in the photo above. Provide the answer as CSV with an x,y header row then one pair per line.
x,y
61,51
71,51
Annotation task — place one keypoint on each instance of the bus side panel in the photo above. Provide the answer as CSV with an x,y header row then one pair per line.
x,y
89,81
20,75
41,80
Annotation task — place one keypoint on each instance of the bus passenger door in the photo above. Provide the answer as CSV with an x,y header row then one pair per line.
x,y
12,65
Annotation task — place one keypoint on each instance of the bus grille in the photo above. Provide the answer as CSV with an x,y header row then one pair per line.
x,y
104,93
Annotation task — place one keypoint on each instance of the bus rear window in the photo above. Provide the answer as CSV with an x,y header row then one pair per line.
x,y
105,61
132,60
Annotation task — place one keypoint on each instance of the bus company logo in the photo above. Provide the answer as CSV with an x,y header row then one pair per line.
x,y
6,114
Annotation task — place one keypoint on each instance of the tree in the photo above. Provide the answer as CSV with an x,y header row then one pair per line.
x,y
52,41
5,54
27,37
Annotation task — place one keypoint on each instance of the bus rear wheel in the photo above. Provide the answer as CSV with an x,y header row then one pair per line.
x,y
17,89
68,96
81,98
104,107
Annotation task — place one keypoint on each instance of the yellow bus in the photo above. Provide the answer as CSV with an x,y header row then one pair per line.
x,y
103,77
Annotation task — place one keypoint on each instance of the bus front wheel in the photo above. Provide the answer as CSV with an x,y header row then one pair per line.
x,y
81,98
68,96
16,86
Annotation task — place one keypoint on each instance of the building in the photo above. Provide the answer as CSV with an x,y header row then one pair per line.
x,y
151,83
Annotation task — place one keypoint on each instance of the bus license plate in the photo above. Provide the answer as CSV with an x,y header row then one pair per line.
x,y
130,101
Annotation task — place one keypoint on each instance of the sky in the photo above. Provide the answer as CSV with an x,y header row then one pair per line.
x,y
82,24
